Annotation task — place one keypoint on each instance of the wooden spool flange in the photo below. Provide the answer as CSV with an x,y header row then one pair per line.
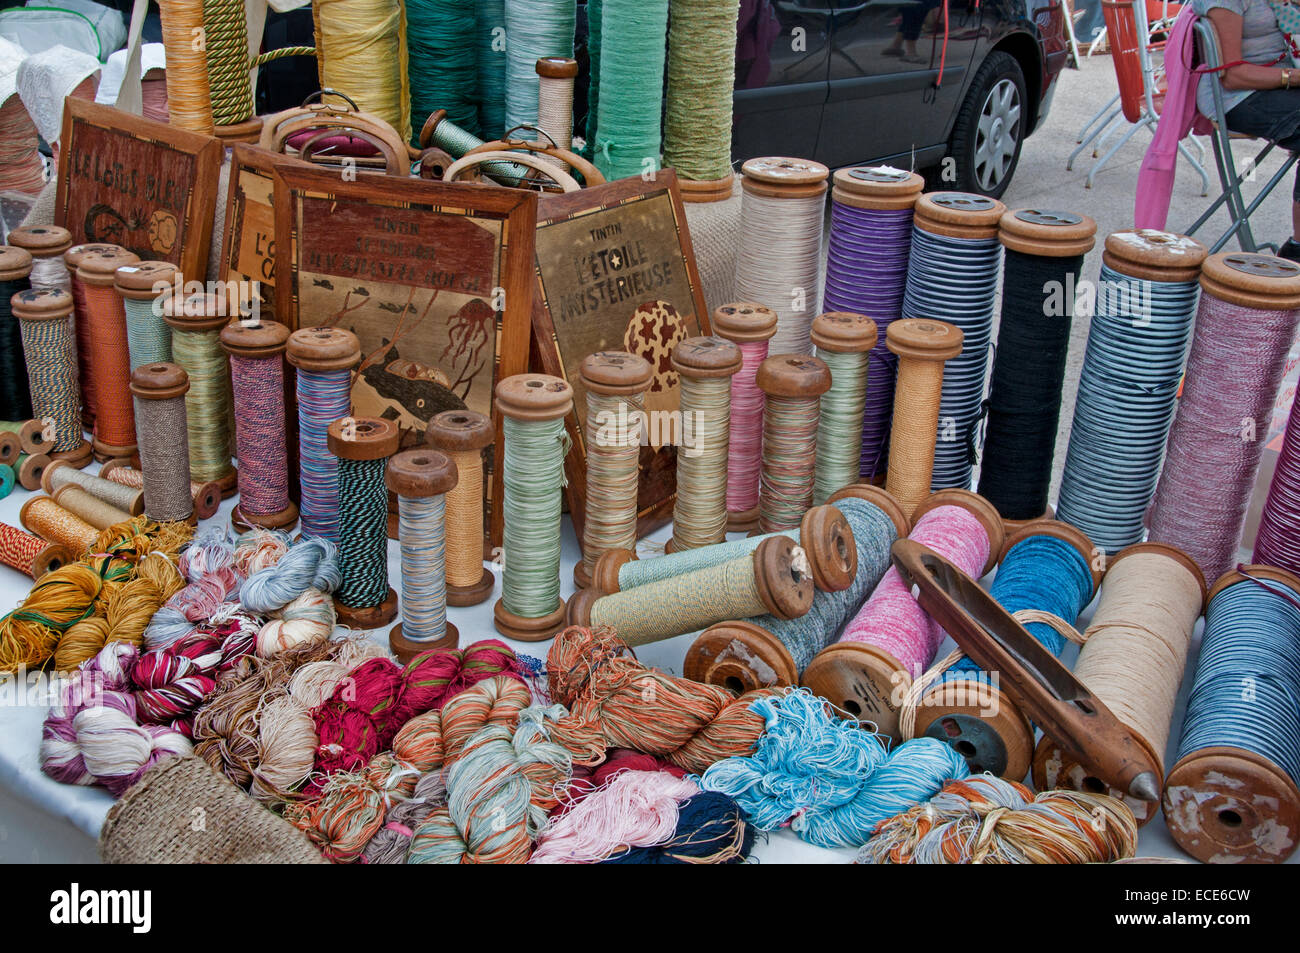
x,y
250,130
417,475
97,265
1152,255
140,281
1260,282
53,305
321,350
30,471
977,506
531,397
741,322
42,241
464,431
844,332
162,380
1230,805
618,374
266,341
785,590
878,188
783,177
958,215
365,438
31,437
700,358
15,263
1047,234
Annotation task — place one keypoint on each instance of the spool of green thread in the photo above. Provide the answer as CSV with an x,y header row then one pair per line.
x,y
196,323
631,87
533,407
490,54
701,75
441,64
595,10
148,336
842,340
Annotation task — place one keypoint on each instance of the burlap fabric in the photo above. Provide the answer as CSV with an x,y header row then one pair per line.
x,y
715,236
183,812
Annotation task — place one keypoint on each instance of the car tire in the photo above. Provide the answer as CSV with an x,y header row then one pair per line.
x,y
990,129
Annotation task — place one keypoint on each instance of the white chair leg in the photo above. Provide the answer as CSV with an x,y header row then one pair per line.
x,y
1096,166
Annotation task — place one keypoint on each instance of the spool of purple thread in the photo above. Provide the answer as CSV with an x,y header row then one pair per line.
x,y
866,272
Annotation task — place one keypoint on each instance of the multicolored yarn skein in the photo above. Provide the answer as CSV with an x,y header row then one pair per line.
x,y
987,820
363,717
831,781
629,705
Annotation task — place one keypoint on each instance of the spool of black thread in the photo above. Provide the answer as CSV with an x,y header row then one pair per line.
x,y
1044,255
15,400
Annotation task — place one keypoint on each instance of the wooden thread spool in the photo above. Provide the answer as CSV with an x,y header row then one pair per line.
x,y
324,358
823,534
779,259
47,244
42,516
30,554
922,346
747,654
843,340
978,719
108,357
365,600
11,447
29,468
196,323
15,281
1110,641
189,101
148,336
615,382
160,391
1230,804
58,473
257,385
864,679
533,407
72,258
31,435
793,386
749,326
51,370
463,435
421,479
206,496
555,76
93,510
705,366
774,579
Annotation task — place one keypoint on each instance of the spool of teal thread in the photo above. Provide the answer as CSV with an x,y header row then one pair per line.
x,y
490,54
631,102
441,64
142,287
534,29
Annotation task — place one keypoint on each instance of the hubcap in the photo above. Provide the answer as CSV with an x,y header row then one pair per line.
x,y
997,134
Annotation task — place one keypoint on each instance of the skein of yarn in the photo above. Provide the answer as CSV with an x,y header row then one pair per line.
x,y
765,651
1043,255
1247,318
749,326
986,820
779,262
312,563
1132,659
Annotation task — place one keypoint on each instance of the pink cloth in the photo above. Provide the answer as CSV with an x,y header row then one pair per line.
x,y
1178,117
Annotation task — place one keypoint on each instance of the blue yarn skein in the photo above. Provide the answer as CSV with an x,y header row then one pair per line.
x,y
831,780
309,564
711,829
1039,572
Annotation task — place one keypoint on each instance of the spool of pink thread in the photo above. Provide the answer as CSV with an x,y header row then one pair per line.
x,y
891,640
750,326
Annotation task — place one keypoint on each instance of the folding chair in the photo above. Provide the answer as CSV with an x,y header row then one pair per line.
x,y
1207,45
1141,94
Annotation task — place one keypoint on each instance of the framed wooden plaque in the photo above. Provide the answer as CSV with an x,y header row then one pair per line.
x,y
144,185
616,271
248,239
435,280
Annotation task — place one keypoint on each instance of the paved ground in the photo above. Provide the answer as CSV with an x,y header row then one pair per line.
x,y
1042,180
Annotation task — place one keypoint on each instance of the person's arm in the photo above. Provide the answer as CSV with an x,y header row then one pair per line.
x,y
1246,75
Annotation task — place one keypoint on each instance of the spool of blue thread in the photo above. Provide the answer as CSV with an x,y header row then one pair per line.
x,y
765,651
1233,797
1048,566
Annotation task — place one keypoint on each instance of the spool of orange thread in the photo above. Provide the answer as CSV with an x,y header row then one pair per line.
x,y
109,359
72,258
42,516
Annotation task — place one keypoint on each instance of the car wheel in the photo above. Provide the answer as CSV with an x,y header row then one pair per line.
x,y
990,128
